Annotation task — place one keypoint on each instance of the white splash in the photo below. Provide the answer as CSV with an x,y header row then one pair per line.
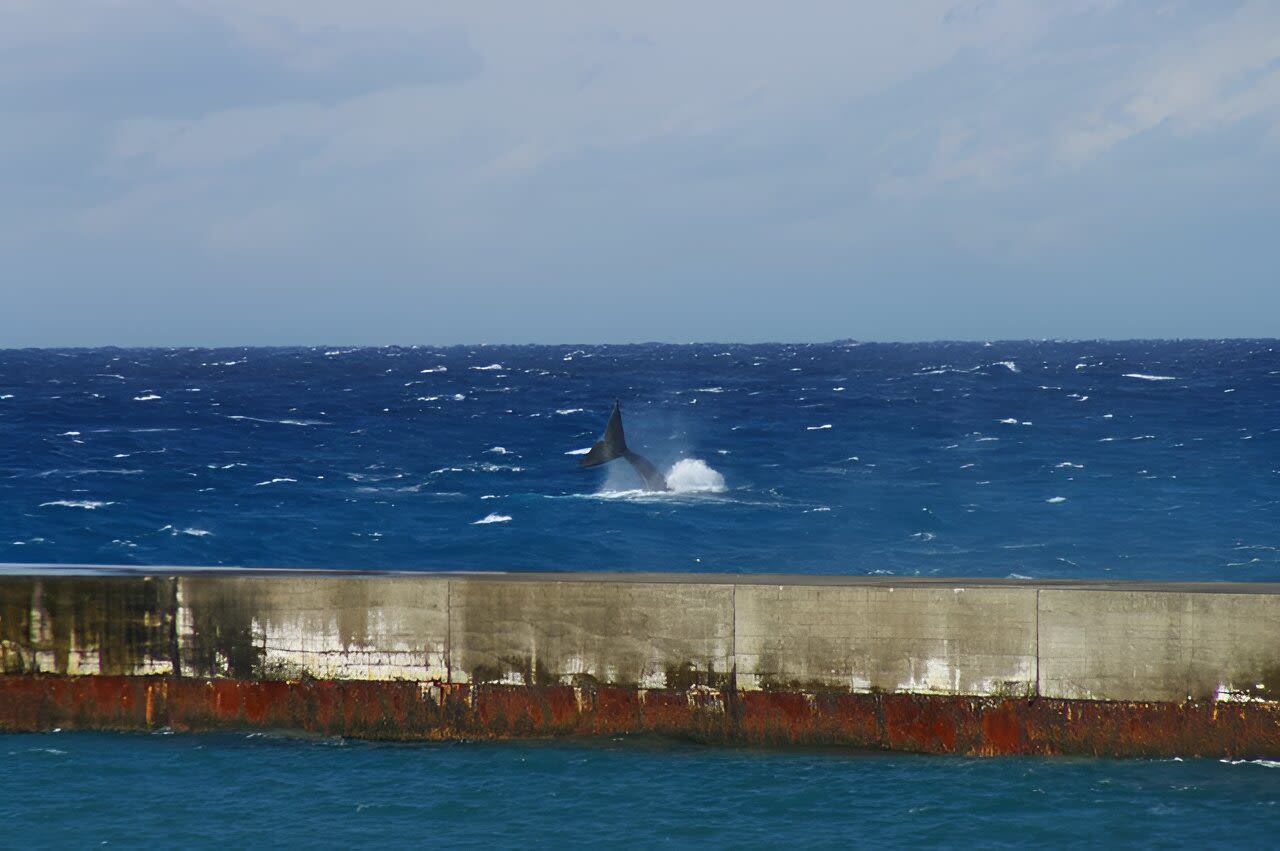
x,y
582,451
492,518
691,475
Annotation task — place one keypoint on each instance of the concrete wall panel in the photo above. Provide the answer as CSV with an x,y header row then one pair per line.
x,y
924,640
1141,645
641,634
376,628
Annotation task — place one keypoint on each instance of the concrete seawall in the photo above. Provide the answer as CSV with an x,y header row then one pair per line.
x,y
957,666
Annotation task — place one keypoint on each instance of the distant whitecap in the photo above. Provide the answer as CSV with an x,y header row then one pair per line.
x,y
583,451
1145,377
145,397
822,427
564,412
1056,499
89,504
274,482
491,367
492,518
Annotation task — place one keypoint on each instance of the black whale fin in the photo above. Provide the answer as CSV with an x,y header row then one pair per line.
x,y
614,445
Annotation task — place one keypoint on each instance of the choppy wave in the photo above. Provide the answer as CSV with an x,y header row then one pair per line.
x,y
492,518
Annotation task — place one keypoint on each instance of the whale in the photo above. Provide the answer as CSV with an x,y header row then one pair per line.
x,y
614,445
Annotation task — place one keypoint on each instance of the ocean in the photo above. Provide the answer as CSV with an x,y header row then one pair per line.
x,y
1154,460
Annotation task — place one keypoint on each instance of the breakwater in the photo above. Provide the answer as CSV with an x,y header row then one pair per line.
x,y
933,665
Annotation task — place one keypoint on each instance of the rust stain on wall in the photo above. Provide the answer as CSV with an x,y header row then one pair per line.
x,y
405,710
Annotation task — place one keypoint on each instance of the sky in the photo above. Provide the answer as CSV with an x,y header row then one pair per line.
x,y
323,172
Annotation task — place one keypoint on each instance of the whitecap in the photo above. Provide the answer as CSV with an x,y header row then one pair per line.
x,y
582,451
192,531
1009,421
1056,499
1068,464
818,427
434,369
492,518
274,481
89,504
277,422
427,399
708,390
458,397
564,412
488,368
1146,377
497,450
7,396
145,397
1007,364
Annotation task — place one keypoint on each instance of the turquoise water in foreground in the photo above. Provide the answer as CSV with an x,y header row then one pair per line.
x,y
257,790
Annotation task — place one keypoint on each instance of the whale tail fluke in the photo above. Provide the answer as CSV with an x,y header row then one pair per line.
x,y
612,445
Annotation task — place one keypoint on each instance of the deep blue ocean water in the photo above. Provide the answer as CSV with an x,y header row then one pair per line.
x,y
1129,460
1152,460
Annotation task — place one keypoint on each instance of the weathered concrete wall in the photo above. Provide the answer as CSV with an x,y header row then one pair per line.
x,y
904,638
740,658
1119,644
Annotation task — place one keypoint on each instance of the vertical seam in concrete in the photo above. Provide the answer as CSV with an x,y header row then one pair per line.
x,y
174,641
1037,642
448,630
733,641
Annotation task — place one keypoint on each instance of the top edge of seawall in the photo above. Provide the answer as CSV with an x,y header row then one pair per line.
x,y
40,570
